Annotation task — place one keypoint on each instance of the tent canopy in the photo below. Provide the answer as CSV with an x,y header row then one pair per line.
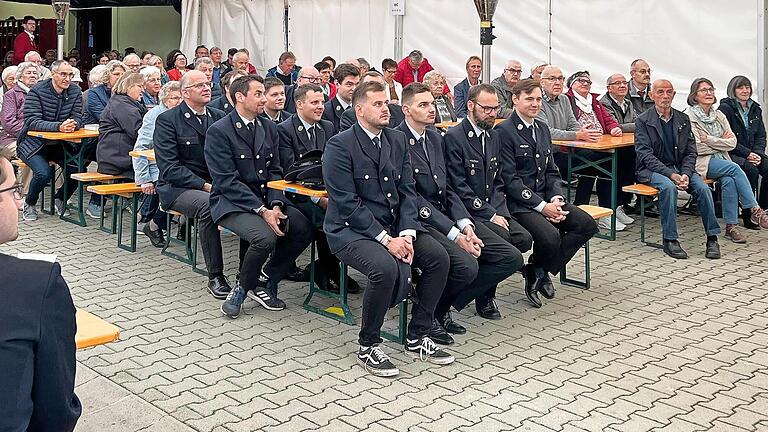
x,y
89,4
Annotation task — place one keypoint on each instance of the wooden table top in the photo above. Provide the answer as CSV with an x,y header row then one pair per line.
x,y
297,189
92,330
146,154
74,137
605,142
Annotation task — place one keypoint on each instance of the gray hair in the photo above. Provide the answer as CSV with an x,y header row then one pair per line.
x,y
432,76
416,56
154,59
95,74
29,55
733,84
148,71
55,66
13,70
240,53
22,68
165,90
214,48
203,60
130,56
109,68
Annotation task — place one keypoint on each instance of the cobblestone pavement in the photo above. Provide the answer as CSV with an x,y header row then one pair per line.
x,y
656,344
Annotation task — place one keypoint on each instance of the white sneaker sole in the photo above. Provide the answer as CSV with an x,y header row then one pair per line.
x,y
221,308
252,295
434,360
608,226
379,372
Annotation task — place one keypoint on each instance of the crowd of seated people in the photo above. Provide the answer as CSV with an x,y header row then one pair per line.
x,y
459,203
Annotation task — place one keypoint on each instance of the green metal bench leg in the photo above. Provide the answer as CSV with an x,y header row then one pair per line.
x,y
171,240
113,227
78,211
586,283
134,204
642,225
402,325
342,313
51,210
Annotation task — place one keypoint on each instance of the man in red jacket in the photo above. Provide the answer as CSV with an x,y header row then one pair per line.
x,y
25,41
412,68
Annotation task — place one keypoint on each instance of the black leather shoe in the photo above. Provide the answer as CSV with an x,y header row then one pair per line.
x,y
155,237
438,334
673,249
451,326
219,287
713,248
486,308
531,290
546,287
298,275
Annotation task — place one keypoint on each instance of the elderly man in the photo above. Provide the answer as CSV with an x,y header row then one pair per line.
x,y
52,106
503,85
34,57
286,69
412,68
666,160
306,75
25,41
474,67
133,62
241,61
205,65
536,69
218,66
639,86
37,333
618,104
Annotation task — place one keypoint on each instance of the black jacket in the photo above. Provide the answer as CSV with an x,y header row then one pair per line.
x,y
37,348
118,129
368,191
439,206
222,104
528,165
332,112
281,117
294,141
45,110
241,165
648,145
349,117
179,142
749,139
475,177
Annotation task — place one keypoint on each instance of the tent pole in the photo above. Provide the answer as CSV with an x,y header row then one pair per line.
x,y
398,37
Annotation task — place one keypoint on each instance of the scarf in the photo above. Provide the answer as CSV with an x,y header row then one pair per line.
x,y
584,103
708,122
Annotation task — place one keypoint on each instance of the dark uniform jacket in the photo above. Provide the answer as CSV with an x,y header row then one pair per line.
x,y
282,116
179,140
439,206
369,191
474,176
648,145
294,140
332,111
241,163
528,166
221,104
349,117
37,348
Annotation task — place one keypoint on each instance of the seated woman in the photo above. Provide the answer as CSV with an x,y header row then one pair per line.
x,y
8,77
152,84
591,114
444,107
157,62
146,171
714,139
99,95
746,120
119,126
12,114
179,67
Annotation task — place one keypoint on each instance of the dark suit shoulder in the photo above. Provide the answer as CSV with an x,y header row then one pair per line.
x,y
216,113
33,275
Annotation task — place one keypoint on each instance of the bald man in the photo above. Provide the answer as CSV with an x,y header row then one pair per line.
x,y
666,160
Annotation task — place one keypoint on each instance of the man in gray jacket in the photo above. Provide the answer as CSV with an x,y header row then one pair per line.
x,y
503,85
618,104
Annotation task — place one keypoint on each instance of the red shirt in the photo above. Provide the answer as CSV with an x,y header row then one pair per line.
x,y
21,46
175,75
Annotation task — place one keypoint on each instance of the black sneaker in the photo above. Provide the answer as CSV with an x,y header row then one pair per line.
x,y
234,302
264,298
219,287
375,362
426,350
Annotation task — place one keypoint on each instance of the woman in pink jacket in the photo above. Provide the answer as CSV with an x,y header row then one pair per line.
x,y
12,114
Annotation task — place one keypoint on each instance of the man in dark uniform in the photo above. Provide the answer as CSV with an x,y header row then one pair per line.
x,y
307,75
184,183
474,163
303,132
223,103
533,188
395,111
242,155
274,109
480,259
347,77
372,225
37,332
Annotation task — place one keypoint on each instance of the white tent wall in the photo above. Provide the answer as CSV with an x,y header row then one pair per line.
x,y
342,29
256,25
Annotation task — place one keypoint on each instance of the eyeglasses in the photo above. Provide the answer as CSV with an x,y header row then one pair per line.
x,y
311,79
708,90
584,81
513,71
488,109
69,75
618,83
554,79
16,188
200,86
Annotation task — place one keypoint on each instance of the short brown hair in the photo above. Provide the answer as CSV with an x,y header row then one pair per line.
x,y
344,70
361,91
412,90
388,63
469,60
301,91
475,91
525,86
230,76
286,55
272,82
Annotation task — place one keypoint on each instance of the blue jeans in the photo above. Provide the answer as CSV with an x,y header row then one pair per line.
x,y
668,204
42,173
735,185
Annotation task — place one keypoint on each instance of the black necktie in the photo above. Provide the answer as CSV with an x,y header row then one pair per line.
x,y
533,132
312,137
249,127
377,142
423,144
203,119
